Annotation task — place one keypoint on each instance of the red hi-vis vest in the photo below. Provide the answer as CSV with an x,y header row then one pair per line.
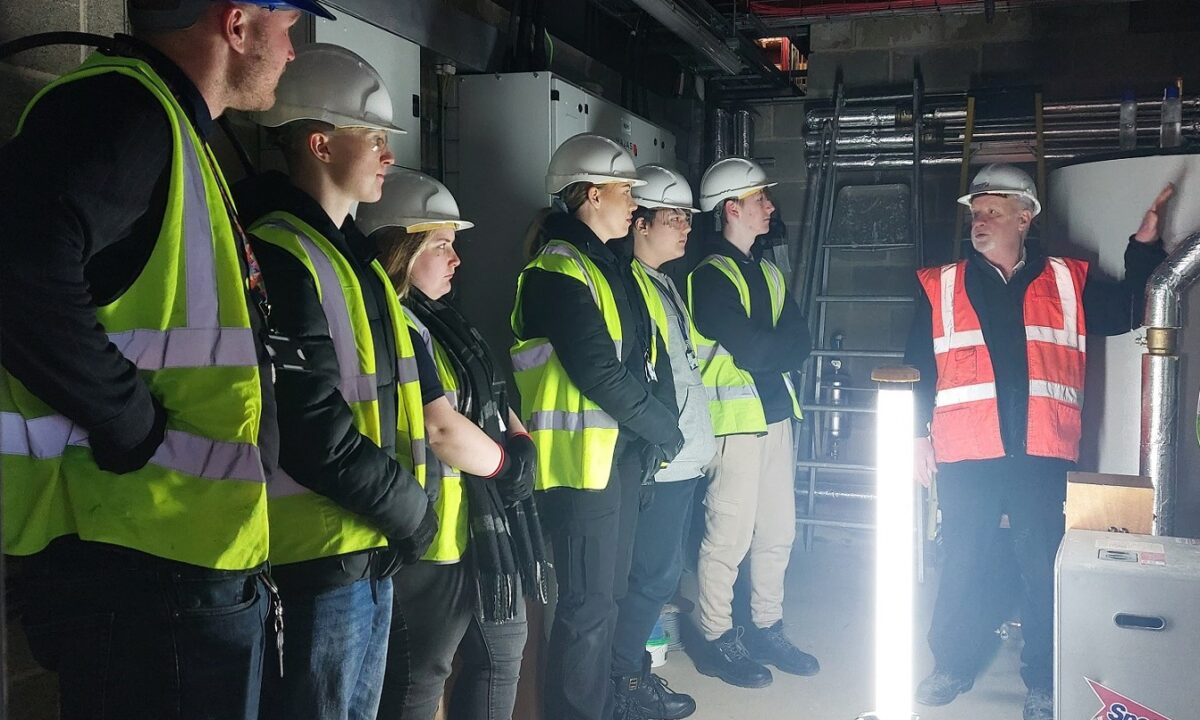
x,y
966,417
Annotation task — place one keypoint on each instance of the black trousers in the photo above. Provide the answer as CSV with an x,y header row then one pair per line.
x,y
972,496
654,572
435,619
591,532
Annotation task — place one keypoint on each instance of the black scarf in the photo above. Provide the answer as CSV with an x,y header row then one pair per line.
x,y
507,550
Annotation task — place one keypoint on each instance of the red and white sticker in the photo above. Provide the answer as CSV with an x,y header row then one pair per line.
x,y
1118,707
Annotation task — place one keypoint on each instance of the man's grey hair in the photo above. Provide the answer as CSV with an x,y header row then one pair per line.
x,y
1025,203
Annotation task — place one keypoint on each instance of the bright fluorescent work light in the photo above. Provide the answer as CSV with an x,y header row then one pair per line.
x,y
894,546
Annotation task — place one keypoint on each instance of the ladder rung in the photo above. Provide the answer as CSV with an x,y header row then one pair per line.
x,y
849,525
826,465
838,408
864,298
858,353
835,494
866,246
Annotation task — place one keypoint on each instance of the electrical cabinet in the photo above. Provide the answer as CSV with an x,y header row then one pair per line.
x,y
508,127
398,62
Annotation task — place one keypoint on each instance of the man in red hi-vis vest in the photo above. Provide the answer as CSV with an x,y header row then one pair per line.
x,y
1000,340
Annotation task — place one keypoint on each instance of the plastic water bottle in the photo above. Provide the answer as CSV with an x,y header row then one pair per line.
x,y
1128,121
1172,117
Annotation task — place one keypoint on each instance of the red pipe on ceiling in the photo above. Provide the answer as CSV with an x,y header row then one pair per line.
x,y
819,8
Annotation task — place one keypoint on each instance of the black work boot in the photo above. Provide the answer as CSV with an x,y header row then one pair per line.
x,y
942,686
625,706
726,658
648,696
770,646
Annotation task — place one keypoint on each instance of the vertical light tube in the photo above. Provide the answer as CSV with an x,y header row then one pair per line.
x,y
894,552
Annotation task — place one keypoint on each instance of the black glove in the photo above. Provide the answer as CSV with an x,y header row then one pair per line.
x,y
135,458
411,548
669,450
516,482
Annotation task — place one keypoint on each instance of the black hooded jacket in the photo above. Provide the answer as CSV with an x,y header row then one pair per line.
x,y
556,307
320,447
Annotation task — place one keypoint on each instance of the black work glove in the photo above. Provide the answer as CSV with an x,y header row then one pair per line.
x,y
669,450
517,484
413,547
135,458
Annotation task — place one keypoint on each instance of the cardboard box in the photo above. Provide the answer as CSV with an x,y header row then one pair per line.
x,y
1116,503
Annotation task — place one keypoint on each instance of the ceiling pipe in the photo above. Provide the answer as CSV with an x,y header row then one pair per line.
x,y
692,30
1160,377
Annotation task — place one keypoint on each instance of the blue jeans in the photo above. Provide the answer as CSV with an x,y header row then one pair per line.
x,y
436,620
336,645
137,637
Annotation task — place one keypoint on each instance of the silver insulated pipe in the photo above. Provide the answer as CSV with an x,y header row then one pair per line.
x,y
1160,377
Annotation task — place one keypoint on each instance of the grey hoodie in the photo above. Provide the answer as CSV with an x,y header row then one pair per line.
x,y
699,444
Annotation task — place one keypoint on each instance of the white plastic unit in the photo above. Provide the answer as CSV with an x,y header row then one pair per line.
x,y
1093,209
398,62
509,126
1126,627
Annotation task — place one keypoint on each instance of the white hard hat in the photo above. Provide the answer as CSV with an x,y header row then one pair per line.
x,y
413,201
331,84
664,188
1000,179
588,157
731,178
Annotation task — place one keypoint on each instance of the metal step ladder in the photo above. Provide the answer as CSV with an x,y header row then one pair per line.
x,y
850,216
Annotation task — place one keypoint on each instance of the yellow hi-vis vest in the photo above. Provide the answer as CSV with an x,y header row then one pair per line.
x,y
185,324
450,543
306,525
575,439
733,398
654,303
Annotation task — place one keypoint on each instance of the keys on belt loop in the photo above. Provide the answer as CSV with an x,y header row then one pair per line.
x,y
276,610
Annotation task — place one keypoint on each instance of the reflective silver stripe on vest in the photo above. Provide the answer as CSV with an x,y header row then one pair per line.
x,y
418,451
531,358
571,421
407,370
354,386
1056,391
48,437
723,393
283,485
187,347
569,251
199,254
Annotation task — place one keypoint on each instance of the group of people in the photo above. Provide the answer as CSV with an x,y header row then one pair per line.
x,y
257,464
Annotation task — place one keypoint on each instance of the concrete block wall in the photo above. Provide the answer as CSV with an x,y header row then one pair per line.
x,y
22,75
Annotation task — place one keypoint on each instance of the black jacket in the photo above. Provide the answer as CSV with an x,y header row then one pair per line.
x,y
1110,308
83,190
319,445
556,307
758,347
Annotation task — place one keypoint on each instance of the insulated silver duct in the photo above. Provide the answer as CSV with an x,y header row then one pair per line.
x,y
722,134
1160,377
743,133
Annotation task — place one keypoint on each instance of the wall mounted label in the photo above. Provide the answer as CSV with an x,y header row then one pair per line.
x,y
1118,707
